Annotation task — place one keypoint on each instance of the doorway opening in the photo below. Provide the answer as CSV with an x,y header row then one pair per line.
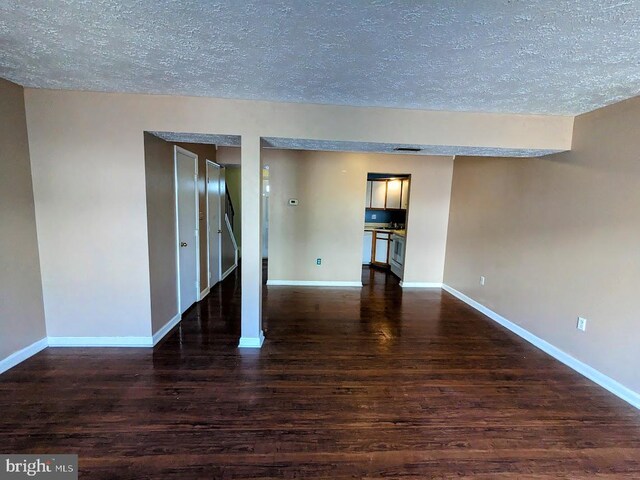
x,y
192,246
386,206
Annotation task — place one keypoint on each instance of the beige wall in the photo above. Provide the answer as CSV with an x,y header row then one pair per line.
x,y
21,308
159,173
558,237
87,154
160,186
328,223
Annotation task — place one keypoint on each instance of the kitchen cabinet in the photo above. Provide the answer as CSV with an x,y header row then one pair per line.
x,y
394,192
367,247
367,202
387,194
404,203
378,194
381,248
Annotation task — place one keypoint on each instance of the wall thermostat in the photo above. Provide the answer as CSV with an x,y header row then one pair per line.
x,y
293,202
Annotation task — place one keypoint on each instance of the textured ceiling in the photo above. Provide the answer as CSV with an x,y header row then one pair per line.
x,y
525,56
208,139
322,145
300,144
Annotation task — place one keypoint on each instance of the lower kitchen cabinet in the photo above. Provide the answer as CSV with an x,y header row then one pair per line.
x,y
367,248
381,248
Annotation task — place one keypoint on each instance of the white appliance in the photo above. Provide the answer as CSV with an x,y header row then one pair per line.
x,y
396,259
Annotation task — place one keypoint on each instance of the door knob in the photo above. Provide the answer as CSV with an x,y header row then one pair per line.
x,y
183,244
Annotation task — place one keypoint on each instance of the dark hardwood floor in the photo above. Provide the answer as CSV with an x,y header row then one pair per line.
x,y
371,383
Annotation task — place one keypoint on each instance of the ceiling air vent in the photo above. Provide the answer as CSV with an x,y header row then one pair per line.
x,y
407,149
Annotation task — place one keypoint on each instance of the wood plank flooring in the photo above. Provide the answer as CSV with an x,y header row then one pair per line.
x,y
351,383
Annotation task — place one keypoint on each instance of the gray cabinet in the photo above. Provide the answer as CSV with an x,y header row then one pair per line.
x,y
404,203
378,194
387,194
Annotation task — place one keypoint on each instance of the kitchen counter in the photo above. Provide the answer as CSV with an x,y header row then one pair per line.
x,y
402,233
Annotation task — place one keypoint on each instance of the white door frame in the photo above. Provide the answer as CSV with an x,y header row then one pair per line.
x,y
177,149
219,227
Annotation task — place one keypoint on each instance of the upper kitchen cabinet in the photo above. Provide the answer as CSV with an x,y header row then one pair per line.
x,y
388,193
404,203
394,192
378,194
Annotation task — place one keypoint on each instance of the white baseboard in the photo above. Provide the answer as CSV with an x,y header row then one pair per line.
x,y
100,341
145,342
228,272
204,293
420,284
312,283
21,355
252,342
159,335
626,394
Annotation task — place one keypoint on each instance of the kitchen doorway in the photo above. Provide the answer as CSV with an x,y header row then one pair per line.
x,y
386,207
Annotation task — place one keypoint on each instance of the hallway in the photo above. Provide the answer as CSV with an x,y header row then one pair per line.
x,y
351,383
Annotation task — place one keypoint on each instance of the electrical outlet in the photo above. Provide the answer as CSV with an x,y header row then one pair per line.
x,y
582,324
481,280
374,216
318,261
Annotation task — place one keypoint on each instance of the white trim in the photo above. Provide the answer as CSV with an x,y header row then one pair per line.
x,y
21,355
312,283
204,293
233,238
100,341
226,274
159,335
235,248
420,284
251,342
187,153
218,229
626,394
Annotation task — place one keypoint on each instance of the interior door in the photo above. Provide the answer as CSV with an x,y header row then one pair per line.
x,y
214,209
186,170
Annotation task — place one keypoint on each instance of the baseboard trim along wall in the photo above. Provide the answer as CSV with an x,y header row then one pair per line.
x,y
159,335
204,293
228,272
100,341
21,355
626,394
420,284
251,342
312,283
78,342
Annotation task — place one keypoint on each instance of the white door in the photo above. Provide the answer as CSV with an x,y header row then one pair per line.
x,y
214,222
186,168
